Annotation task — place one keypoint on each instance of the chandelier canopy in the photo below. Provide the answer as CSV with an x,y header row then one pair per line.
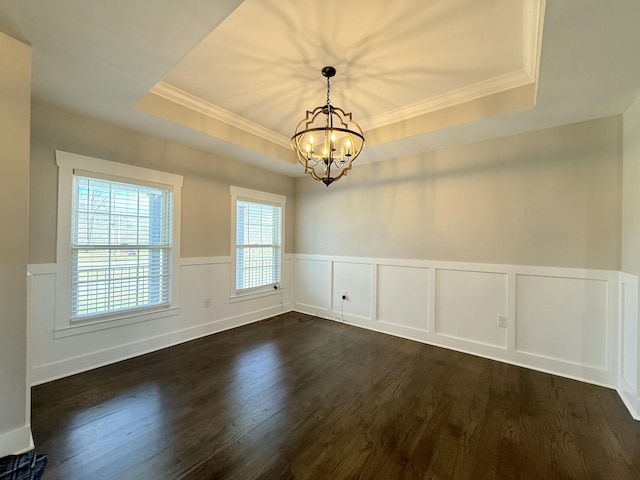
x,y
327,140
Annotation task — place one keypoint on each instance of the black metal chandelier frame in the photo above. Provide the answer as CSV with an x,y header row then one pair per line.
x,y
338,128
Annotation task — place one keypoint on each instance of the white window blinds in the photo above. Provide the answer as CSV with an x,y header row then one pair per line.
x,y
121,246
258,244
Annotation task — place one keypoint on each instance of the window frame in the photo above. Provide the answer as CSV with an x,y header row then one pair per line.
x,y
254,196
70,163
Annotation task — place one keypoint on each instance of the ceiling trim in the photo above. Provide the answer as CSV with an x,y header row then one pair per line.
x,y
173,94
450,99
456,97
532,28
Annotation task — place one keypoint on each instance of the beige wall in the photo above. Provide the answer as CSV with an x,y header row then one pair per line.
x,y
15,100
206,219
631,191
551,197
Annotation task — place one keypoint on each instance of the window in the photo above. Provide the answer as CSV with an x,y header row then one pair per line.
x,y
257,220
118,241
121,246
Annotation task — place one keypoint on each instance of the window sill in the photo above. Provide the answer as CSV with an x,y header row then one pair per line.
x,y
114,322
243,297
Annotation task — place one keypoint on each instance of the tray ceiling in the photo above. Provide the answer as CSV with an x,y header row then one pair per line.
x,y
234,77
259,70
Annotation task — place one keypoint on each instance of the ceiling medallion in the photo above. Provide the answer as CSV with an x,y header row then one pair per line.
x,y
327,140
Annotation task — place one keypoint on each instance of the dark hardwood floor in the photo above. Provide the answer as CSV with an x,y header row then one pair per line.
x,y
305,398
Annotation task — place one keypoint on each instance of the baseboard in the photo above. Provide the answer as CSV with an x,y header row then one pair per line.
x,y
629,398
489,352
16,441
70,366
311,310
631,402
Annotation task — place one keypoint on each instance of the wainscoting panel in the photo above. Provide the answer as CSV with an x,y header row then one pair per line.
x,y
629,330
403,296
468,305
313,284
629,344
564,319
356,280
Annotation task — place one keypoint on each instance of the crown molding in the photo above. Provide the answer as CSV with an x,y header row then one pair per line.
x,y
175,95
532,28
449,99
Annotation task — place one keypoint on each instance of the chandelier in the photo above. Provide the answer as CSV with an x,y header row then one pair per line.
x,y
327,140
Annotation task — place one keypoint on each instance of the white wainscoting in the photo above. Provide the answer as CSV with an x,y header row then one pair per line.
x,y
16,441
576,323
561,319
312,279
203,282
354,280
558,320
468,305
629,344
19,440
405,301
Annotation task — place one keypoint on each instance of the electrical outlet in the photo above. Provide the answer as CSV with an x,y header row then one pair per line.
x,y
345,295
502,321
206,303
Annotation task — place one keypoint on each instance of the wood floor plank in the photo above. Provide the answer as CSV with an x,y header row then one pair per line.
x,y
298,397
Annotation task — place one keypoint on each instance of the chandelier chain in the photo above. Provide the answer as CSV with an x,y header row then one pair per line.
x,y
328,90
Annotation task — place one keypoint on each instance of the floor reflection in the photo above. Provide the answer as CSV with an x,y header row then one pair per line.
x,y
135,420
261,392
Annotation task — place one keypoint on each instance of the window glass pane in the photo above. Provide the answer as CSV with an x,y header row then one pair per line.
x,y
258,244
121,246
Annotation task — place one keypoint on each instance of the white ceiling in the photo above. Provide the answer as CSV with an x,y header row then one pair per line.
x,y
258,62
263,62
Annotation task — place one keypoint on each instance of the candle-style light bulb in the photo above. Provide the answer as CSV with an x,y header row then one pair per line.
x,y
333,141
348,145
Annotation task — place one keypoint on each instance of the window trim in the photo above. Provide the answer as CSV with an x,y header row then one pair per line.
x,y
256,196
68,163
